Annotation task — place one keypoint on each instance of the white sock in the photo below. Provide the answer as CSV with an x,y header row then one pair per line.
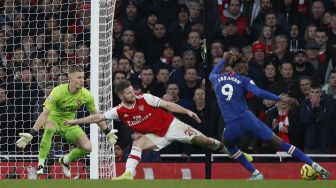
x,y
216,144
256,172
66,159
41,162
133,160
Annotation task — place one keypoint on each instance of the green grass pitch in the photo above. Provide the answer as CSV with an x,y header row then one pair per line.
x,y
165,184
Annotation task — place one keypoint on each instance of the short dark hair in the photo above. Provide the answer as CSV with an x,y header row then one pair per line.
x,y
306,78
333,71
75,68
315,85
120,86
118,72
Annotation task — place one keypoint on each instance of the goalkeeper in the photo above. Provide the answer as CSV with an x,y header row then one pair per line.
x,y
62,104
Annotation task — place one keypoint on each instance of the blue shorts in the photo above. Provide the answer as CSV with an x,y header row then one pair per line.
x,y
235,130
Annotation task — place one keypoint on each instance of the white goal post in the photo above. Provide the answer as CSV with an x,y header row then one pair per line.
x,y
38,42
102,160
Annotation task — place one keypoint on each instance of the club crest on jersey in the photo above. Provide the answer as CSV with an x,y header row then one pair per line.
x,y
141,107
79,102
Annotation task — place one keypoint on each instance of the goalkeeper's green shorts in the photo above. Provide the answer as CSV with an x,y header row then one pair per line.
x,y
70,133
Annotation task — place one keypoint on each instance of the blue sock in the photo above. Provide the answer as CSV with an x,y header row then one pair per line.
x,y
296,153
239,156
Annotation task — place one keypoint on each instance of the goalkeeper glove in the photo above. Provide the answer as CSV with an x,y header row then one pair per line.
x,y
110,135
25,138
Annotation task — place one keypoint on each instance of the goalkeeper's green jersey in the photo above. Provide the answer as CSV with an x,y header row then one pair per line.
x,y
64,105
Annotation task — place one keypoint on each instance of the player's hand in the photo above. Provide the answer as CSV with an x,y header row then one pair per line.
x,y
111,136
70,122
194,116
24,140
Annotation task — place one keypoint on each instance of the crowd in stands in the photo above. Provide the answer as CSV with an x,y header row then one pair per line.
x,y
290,46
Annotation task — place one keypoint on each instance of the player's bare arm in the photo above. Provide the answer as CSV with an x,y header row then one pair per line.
x,y
95,118
172,107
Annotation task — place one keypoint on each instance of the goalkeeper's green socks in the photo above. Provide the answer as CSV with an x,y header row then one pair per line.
x,y
45,145
73,155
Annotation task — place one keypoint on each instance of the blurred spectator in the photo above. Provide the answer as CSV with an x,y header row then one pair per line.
x,y
188,61
155,43
283,120
162,78
199,108
267,37
194,8
316,113
69,46
118,152
146,79
174,90
180,28
198,26
62,79
114,65
138,63
285,84
52,57
312,49
269,76
125,66
177,62
82,54
7,13
191,83
256,66
301,67
267,16
229,35
310,32
316,14
281,52
321,39
217,49
152,18
132,19
291,13
128,51
247,52
233,12
305,86
295,40
330,88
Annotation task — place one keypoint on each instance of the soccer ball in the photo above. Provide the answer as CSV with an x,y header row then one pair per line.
x,y
308,173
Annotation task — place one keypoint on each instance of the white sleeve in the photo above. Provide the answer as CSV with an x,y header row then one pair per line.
x,y
152,100
111,114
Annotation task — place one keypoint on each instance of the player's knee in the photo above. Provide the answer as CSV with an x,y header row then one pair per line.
x,y
86,147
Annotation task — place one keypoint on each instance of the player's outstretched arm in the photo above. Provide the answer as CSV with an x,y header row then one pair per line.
x,y
25,138
172,107
260,93
95,118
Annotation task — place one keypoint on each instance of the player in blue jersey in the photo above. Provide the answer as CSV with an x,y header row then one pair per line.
x,y
230,89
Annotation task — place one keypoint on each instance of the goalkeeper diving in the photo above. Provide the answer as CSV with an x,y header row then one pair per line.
x,y
62,104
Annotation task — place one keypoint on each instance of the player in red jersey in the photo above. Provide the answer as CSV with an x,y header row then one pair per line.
x,y
146,114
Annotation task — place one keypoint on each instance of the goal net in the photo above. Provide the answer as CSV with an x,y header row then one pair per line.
x,y
38,42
